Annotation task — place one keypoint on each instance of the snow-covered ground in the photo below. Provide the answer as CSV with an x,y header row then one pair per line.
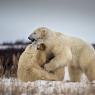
x,y
13,46
40,87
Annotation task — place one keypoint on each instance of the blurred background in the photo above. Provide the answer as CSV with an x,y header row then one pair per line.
x,y
18,18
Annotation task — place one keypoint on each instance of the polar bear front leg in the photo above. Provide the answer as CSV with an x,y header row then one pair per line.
x,y
53,64
60,60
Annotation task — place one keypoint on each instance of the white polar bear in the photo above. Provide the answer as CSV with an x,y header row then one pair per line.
x,y
77,54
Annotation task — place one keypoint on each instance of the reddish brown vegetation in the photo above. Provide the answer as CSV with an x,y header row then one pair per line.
x,y
9,56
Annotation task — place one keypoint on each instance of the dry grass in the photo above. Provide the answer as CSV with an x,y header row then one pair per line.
x,y
15,87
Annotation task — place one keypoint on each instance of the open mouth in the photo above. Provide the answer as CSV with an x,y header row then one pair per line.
x,y
31,39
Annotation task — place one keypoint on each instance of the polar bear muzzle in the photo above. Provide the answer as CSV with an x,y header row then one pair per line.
x,y
31,39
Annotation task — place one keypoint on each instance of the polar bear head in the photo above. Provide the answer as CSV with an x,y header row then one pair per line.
x,y
34,48
39,33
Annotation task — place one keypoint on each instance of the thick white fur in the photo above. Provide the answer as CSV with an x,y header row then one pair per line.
x,y
77,54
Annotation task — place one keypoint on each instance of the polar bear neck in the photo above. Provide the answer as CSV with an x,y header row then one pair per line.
x,y
41,56
49,40
31,49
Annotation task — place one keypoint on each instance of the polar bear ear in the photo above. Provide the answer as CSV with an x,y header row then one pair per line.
x,y
44,32
41,46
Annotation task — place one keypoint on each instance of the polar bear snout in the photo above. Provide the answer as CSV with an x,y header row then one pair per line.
x,y
31,38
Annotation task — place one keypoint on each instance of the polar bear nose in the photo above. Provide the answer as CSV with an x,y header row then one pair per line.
x,y
31,39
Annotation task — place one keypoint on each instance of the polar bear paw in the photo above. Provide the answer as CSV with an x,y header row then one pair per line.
x,y
49,67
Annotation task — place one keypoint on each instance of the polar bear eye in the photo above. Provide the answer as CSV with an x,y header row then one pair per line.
x,y
34,33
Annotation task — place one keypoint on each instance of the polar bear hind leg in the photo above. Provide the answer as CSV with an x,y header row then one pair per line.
x,y
74,73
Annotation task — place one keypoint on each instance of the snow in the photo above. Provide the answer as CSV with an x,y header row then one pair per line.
x,y
13,86
12,46
41,87
66,77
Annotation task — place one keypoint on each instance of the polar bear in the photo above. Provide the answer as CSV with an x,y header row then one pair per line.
x,y
30,62
77,54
